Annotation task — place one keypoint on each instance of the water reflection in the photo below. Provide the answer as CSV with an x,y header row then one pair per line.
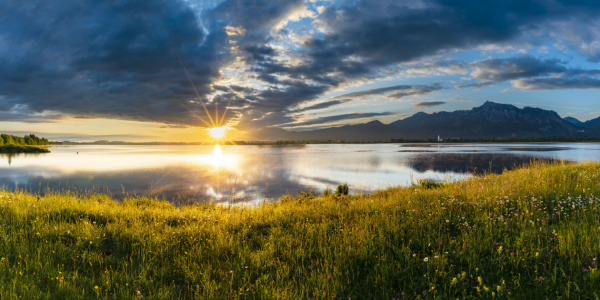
x,y
253,173
471,162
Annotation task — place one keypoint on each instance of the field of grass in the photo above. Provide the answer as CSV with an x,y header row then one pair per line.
x,y
530,233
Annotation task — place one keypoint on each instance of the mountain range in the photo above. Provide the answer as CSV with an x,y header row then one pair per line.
x,y
490,120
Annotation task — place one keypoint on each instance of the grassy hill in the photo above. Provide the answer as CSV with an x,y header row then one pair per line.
x,y
532,232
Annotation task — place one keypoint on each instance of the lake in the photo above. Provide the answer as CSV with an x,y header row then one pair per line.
x,y
254,173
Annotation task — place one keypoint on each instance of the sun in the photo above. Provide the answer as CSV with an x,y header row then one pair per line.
x,y
217,132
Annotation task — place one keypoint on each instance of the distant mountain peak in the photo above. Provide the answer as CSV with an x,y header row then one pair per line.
x,y
490,104
376,122
574,121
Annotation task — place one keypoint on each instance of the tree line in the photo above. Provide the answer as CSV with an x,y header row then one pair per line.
x,y
28,140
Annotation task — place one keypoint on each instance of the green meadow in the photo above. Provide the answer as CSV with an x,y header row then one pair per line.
x,y
529,233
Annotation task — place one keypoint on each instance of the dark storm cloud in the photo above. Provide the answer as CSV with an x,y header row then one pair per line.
x,y
385,32
499,69
530,73
365,35
329,119
113,59
429,104
123,59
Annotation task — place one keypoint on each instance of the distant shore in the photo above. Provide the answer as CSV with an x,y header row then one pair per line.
x,y
22,149
560,139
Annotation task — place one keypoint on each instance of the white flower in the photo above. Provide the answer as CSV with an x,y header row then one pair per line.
x,y
426,259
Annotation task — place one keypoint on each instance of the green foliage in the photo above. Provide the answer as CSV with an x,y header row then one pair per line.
x,y
529,233
342,189
15,144
28,140
327,192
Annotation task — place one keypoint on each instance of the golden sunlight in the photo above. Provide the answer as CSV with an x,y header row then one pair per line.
x,y
218,132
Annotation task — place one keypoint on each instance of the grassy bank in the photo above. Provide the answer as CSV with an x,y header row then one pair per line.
x,y
532,232
22,149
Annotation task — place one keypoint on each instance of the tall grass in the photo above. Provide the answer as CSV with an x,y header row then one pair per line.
x,y
532,232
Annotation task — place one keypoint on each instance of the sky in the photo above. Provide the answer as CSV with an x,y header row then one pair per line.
x,y
164,70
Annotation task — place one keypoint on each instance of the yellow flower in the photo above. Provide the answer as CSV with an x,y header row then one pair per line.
x,y
96,287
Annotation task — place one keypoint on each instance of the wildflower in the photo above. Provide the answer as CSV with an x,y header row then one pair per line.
x,y
500,250
463,275
426,259
96,287
454,281
479,280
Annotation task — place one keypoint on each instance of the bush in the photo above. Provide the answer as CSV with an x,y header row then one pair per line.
x,y
342,189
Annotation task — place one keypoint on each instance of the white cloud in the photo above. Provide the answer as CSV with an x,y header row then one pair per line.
x,y
296,15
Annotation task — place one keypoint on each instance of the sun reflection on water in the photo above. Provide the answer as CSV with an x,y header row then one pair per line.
x,y
217,157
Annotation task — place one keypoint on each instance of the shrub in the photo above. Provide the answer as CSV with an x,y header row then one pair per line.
x,y
342,189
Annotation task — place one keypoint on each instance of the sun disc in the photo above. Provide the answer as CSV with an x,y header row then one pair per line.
x,y
217,132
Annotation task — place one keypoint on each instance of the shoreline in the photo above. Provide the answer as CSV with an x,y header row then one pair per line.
x,y
16,149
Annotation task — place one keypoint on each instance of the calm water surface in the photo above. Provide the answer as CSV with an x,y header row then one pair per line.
x,y
255,173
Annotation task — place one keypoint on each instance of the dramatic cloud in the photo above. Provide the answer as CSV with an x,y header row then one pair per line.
x,y
530,73
271,61
358,39
109,59
498,70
